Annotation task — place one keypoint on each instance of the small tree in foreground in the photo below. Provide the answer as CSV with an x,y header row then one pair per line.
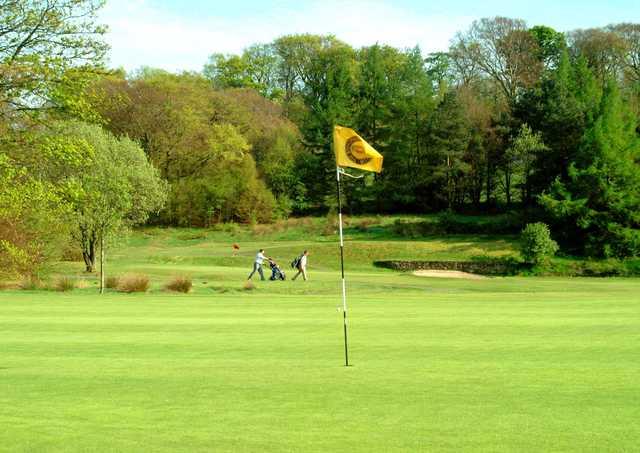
x,y
536,245
117,188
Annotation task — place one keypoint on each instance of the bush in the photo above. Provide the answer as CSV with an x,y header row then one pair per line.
x,y
330,224
364,225
409,229
248,286
536,246
180,284
450,223
8,285
31,283
111,282
65,284
134,284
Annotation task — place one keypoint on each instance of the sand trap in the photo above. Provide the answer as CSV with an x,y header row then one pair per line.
x,y
448,274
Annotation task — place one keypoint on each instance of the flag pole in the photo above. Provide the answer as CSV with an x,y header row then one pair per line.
x,y
344,288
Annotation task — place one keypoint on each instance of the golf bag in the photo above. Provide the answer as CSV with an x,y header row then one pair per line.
x,y
276,272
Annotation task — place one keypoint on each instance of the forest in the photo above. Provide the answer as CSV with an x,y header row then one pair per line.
x,y
541,124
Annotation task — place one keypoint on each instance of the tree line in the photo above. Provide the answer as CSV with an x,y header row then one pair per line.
x,y
511,117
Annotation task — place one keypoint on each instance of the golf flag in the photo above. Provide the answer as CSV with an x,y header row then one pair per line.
x,y
352,151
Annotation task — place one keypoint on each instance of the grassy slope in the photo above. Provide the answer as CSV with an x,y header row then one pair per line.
x,y
509,364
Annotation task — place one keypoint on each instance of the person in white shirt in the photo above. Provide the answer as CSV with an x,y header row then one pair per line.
x,y
257,264
302,266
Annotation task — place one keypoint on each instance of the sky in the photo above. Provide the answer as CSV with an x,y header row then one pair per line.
x,y
179,35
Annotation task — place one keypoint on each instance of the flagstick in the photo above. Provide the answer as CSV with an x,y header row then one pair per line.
x,y
344,288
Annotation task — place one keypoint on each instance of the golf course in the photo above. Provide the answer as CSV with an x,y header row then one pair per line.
x,y
437,364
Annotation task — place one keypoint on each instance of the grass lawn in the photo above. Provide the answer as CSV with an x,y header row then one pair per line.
x,y
504,364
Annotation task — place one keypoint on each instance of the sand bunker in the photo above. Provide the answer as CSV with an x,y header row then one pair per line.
x,y
448,274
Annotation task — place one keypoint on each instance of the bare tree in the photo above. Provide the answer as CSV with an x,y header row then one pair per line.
x,y
502,49
630,34
604,51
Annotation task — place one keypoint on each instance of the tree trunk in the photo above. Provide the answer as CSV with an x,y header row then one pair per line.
x,y
507,185
101,263
489,182
89,250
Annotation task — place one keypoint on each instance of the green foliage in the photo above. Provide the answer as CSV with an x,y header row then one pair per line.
x,y
116,185
217,149
33,220
598,206
48,50
520,159
537,247
256,68
450,223
550,43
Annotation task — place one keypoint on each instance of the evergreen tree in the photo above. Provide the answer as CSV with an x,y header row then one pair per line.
x,y
448,138
598,207
561,108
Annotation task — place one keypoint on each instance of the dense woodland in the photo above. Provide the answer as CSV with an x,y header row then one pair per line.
x,y
512,118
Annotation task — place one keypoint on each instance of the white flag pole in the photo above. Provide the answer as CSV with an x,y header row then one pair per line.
x,y
344,288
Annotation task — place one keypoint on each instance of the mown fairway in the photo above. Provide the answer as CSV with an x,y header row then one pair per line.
x,y
505,364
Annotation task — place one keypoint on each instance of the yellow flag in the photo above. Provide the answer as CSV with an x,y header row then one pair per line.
x,y
352,151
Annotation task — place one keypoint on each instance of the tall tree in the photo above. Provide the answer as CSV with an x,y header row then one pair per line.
x,y
504,50
325,71
117,186
603,50
550,45
521,157
47,49
561,109
630,35
598,207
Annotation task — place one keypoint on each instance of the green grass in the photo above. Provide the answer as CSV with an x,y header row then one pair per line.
x,y
504,364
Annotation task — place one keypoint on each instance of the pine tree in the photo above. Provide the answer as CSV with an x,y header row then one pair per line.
x,y
598,207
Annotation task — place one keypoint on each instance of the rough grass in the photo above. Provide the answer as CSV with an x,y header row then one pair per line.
x,y
65,284
112,282
134,283
180,284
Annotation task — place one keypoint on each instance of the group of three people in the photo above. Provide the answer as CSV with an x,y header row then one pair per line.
x,y
300,263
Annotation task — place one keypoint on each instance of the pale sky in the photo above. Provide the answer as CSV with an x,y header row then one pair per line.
x,y
180,34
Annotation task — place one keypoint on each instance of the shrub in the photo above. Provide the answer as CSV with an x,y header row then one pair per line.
x,y
84,283
112,282
71,252
180,284
8,285
450,223
536,246
364,225
410,229
134,284
31,283
248,286
330,224
193,236
65,284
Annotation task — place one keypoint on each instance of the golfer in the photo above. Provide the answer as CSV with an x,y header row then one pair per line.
x,y
257,264
302,266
